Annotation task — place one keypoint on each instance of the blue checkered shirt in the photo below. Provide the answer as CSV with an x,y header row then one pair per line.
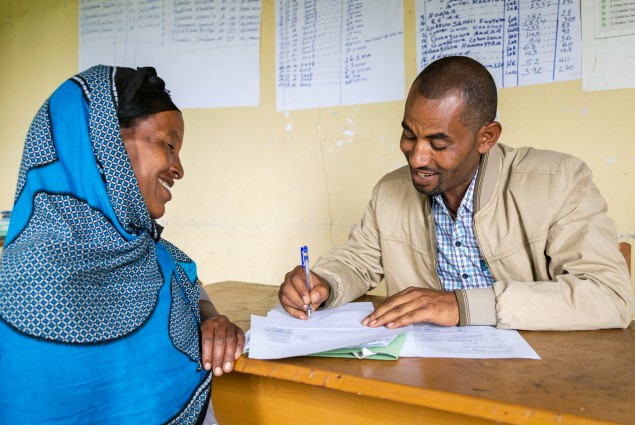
x,y
459,261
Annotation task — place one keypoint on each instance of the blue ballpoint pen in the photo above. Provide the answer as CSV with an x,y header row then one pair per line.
x,y
304,255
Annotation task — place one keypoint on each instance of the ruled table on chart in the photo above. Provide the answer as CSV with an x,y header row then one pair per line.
x,y
338,52
521,42
208,50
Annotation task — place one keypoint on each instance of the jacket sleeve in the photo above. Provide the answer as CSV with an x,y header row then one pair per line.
x,y
589,286
355,268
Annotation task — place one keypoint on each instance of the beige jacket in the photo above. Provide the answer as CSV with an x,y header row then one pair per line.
x,y
541,226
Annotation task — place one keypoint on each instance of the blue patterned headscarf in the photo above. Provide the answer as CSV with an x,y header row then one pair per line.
x,y
99,316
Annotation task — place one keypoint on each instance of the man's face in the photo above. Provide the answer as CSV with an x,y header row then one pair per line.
x,y
442,153
153,147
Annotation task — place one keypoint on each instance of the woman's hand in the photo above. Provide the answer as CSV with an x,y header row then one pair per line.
x,y
222,341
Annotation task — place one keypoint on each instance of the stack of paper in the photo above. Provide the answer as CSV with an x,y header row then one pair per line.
x,y
335,332
338,332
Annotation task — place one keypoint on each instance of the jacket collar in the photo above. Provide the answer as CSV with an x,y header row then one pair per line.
x,y
490,168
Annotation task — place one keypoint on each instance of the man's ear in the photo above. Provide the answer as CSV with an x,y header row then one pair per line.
x,y
488,135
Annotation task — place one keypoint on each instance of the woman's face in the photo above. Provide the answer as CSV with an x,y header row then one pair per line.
x,y
153,146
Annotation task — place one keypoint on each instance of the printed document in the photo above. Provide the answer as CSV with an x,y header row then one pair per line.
x,y
470,342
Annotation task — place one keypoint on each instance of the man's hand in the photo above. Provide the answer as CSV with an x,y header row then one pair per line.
x,y
222,341
294,296
414,305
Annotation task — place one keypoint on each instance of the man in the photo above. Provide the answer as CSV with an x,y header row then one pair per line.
x,y
472,232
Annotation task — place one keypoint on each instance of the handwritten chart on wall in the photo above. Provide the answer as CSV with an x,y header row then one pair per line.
x,y
521,42
338,52
208,51
608,59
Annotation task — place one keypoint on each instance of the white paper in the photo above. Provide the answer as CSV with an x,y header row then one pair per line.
x,y
470,342
521,42
338,52
608,34
279,335
207,51
614,18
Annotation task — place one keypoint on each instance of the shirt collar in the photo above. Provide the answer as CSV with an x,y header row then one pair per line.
x,y
468,199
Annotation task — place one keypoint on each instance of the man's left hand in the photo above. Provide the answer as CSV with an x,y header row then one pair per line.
x,y
414,305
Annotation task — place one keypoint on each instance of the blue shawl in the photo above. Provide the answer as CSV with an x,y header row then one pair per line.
x,y
99,317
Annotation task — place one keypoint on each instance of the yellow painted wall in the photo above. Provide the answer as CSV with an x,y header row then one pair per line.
x,y
260,183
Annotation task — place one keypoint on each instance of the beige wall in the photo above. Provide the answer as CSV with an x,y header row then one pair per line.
x,y
260,183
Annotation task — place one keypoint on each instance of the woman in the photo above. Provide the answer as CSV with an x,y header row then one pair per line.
x,y
99,316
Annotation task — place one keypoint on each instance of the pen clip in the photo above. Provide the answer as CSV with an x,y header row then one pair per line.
x,y
304,255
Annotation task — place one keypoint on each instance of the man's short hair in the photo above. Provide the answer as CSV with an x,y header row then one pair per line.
x,y
467,76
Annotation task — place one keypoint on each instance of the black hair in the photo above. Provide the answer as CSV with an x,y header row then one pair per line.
x,y
468,77
140,93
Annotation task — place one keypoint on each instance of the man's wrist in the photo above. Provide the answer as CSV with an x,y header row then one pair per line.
x,y
331,296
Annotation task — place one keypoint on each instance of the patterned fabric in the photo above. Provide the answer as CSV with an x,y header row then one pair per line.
x,y
104,297
38,147
99,317
197,406
459,261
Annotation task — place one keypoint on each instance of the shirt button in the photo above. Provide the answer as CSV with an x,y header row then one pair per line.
x,y
464,276
457,243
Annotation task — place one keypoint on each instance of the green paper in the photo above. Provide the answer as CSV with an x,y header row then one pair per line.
x,y
386,352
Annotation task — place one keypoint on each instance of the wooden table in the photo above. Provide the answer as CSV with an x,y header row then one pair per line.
x,y
584,377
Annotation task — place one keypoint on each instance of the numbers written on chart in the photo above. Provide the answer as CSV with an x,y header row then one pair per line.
x,y
531,67
540,4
